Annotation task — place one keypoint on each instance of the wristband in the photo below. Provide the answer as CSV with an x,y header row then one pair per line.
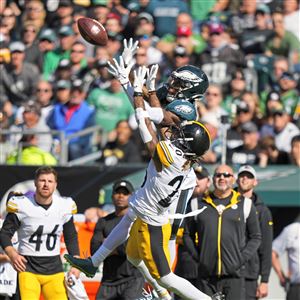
x,y
138,94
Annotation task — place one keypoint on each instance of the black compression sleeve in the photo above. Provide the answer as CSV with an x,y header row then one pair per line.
x,y
9,227
71,238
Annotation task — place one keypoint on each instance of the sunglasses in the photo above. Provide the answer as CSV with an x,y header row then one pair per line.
x,y
225,175
43,90
77,51
212,94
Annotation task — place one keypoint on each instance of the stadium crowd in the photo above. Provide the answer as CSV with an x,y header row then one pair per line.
x,y
52,79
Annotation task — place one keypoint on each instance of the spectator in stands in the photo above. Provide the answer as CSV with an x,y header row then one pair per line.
x,y
113,23
141,57
270,155
212,103
63,71
295,150
99,10
18,78
43,97
28,153
66,40
98,76
165,22
34,13
46,43
122,149
78,60
184,36
237,88
219,60
111,105
289,94
32,53
9,22
253,40
259,267
252,101
248,152
72,117
291,14
284,130
120,279
187,266
180,57
132,20
62,91
245,18
64,15
32,121
283,43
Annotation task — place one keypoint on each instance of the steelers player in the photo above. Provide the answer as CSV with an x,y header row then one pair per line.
x,y
40,220
170,165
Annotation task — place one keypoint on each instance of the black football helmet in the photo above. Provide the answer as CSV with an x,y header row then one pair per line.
x,y
188,83
192,138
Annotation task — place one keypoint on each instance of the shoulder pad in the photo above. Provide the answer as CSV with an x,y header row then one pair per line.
x,y
164,154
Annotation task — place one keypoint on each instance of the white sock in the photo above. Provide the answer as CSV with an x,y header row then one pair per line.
x,y
182,287
118,236
172,249
161,291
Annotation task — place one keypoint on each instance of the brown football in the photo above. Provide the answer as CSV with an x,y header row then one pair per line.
x,y
92,31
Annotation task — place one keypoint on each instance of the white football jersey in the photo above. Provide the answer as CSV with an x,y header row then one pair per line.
x,y
160,189
41,229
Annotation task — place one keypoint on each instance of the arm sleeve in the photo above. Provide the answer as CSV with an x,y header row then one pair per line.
x,y
10,226
97,238
189,234
254,235
265,249
71,238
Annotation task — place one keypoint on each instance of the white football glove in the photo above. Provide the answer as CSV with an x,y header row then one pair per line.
x,y
139,79
151,76
129,50
119,71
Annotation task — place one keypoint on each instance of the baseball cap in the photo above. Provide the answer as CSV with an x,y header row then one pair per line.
x,y
66,31
113,16
145,16
64,63
77,84
263,8
64,3
48,34
200,171
184,31
16,47
101,63
241,106
32,106
134,7
287,75
248,169
123,184
99,2
63,84
183,109
273,96
215,28
249,127
180,51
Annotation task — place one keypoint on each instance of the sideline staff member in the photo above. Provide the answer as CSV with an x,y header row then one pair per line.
x,y
40,220
222,249
261,262
121,280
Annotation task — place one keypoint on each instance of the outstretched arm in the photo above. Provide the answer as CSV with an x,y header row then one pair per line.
x,y
147,132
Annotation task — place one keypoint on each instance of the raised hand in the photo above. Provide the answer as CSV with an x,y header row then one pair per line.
x,y
139,79
119,71
129,50
151,77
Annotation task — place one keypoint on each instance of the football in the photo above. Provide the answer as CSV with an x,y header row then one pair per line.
x,y
92,31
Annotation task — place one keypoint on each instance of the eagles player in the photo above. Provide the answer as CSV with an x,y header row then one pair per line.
x,y
171,163
40,220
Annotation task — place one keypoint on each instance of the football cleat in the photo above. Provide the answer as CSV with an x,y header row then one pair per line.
x,y
84,265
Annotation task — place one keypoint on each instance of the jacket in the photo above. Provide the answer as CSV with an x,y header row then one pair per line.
x,y
261,262
222,247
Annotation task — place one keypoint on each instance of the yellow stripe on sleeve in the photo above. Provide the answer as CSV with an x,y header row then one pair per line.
x,y
164,154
